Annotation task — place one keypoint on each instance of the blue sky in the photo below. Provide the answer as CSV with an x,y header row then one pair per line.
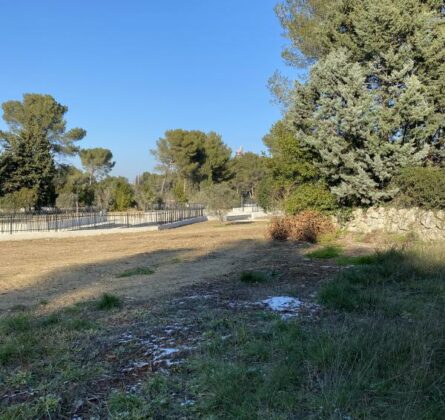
x,y
130,70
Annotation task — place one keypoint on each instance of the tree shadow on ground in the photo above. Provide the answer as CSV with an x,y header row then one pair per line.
x,y
173,270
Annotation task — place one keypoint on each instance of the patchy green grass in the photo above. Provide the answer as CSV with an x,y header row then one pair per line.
x,y
38,353
156,399
382,356
254,277
326,252
357,259
108,302
138,271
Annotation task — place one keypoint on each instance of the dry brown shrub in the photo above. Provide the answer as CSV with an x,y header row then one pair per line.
x,y
279,229
305,226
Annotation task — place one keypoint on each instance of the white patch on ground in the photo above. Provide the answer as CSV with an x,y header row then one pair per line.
x,y
288,306
140,365
163,353
193,297
282,303
164,347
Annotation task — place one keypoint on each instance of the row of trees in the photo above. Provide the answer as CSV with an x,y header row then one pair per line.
x,y
198,166
366,128
192,165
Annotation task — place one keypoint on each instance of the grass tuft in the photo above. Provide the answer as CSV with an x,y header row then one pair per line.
x,y
16,323
357,260
326,252
108,302
138,271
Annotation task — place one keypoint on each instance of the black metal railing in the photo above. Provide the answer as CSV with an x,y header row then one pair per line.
x,y
94,219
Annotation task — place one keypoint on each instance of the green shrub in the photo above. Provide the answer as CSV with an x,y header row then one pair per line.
x,y
217,198
421,187
310,196
25,198
16,323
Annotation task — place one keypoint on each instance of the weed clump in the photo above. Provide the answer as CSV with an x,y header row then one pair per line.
x,y
253,277
108,302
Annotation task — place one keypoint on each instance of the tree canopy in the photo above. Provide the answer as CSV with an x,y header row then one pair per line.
x,y
97,162
193,156
374,101
37,134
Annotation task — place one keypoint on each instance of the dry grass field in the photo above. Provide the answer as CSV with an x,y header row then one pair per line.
x,y
68,270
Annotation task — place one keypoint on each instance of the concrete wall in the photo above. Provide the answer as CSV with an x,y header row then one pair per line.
x,y
429,225
180,223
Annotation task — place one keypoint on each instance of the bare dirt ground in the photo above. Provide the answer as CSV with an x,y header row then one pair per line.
x,y
67,270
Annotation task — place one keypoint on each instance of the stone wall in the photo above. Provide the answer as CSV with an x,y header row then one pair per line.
x,y
427,224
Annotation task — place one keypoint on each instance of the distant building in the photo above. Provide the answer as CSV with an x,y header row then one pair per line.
x,y
240,151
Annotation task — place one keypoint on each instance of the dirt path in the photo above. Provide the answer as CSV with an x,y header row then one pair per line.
x,y
64,271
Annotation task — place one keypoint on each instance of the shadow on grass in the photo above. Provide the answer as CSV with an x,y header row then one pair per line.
x,y
379,354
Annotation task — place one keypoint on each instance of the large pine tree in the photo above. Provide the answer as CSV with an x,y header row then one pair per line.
x,y
375,99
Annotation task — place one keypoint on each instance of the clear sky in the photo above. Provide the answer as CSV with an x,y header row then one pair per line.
x,y
129,70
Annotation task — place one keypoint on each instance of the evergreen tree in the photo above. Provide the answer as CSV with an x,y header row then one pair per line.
x,y
30,165
215,168
248,169
341,121
188,158
97,162
148,188
182,152
375,100
290,163
73,187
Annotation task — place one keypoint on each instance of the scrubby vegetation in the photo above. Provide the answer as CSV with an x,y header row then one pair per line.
x,y
421,187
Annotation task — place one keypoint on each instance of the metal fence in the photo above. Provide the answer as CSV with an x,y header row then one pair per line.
x,y
82,220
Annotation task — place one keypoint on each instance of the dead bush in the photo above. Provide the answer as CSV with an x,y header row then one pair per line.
x,y
305,226
279,229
